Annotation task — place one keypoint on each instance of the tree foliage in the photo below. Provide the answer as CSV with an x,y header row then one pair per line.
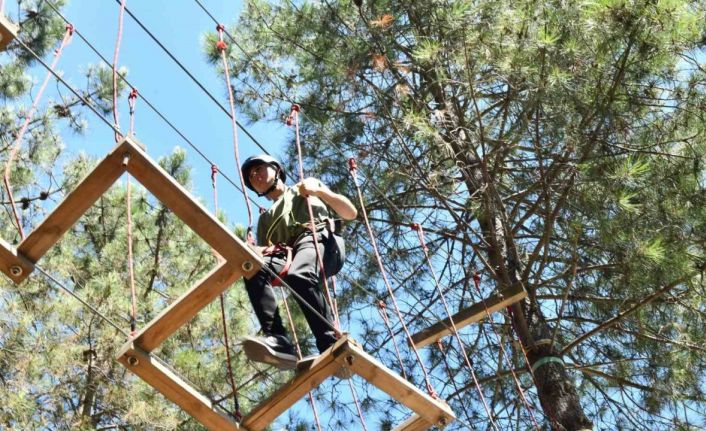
x,y
553,144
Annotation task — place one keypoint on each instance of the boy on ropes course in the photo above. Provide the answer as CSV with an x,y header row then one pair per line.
x,y
285,238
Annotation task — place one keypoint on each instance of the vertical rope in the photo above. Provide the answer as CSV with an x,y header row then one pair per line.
x,y
382,309
476,282
299,352
116,53
28,117
224,319
130,261
454,329
444,356
353,168
357,405
294,116
222,47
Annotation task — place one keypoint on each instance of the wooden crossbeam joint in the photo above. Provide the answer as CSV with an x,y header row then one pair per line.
x,y
175,389
8,31
12,264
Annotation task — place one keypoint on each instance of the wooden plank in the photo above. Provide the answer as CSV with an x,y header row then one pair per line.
x,y
8,31
294,390
174,196
414,423
433,411
465,317
74,205
14,266
185,308
175,389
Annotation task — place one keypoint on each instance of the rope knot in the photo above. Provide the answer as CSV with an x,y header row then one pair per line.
x,y
220,28
352,164
476,278
221,45
381,305
133,94
295,107
415,226
70,29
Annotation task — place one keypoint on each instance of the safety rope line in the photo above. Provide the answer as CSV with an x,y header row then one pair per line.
x,y
382,309
17,144
293,329
440,346
222,47
132,101
476,282
73,294
334,299
116,54
226,341
294,118
145,99
130,260
353,169
420,235
357,405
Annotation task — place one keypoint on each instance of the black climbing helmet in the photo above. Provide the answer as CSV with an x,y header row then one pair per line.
x,y
253,161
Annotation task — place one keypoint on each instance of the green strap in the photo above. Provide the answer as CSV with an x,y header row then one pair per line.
x,y
546,360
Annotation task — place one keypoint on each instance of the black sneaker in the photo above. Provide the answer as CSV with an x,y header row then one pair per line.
x,y
274,350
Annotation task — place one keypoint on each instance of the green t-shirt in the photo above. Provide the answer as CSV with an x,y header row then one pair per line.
x,y
288,217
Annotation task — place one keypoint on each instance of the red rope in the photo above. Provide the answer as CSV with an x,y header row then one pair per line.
x,y
357,405
224,320
28,117
354,173
130,262
382,309
294,115
222,47
116,115
420,234
299,352
476,282
131,101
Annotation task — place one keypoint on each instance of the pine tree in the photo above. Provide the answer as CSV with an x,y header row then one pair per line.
x,y
548,144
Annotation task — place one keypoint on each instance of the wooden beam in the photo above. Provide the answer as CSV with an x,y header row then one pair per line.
x,y
465,317
185,308
175,389
174,196
433,411
8,31
14,266
294,390
414,423
74,205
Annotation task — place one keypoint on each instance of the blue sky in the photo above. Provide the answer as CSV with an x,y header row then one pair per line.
x,y
181,27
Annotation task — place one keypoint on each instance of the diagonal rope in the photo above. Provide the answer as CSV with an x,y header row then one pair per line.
x,y
231,379
292,328
116,54
144,98
28,117
222,47
382,309
294,116
354,174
